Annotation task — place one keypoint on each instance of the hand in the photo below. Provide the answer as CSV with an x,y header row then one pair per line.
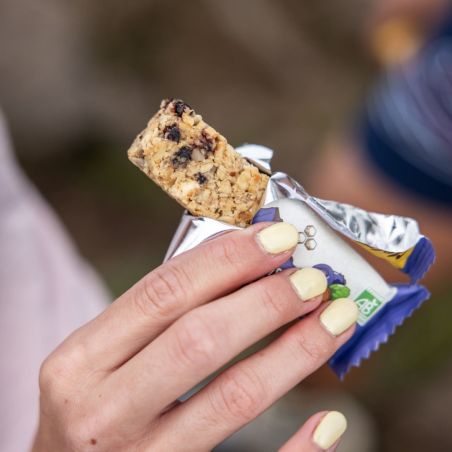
x,y
113,384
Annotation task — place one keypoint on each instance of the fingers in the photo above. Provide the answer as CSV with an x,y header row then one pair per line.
x,y
210,336
321,432
196,277
246,389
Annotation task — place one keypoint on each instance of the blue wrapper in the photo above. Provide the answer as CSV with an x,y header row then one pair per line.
x,y
324,228
368,338
407,297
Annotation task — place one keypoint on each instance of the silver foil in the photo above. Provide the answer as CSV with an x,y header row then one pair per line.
x,y
389,233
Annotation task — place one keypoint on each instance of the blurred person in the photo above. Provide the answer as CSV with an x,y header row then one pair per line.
x,y
46,291
400,159
397,28
114,383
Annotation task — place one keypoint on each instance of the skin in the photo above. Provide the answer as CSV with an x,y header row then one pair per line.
x,y
113,384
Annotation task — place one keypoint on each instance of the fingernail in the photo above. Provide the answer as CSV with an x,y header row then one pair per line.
x,y
278,237
340,315
308,282
330,429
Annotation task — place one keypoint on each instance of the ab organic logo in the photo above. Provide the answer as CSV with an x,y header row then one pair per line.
x,y
368,303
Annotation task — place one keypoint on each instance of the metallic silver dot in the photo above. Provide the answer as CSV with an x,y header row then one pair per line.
x,y
301,237
310,230
310,244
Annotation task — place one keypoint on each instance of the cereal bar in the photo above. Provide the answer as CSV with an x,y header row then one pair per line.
x,y
195,165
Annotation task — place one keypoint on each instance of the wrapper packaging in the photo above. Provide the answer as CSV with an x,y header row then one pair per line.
x,y
324,227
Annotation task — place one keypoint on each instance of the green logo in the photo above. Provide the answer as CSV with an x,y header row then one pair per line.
x,y
368,304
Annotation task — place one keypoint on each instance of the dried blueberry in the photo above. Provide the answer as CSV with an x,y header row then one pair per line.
x,y
201,178
206,142
172,133
182,157
179,107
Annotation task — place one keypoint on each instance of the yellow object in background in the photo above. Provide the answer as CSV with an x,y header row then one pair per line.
x,y
395,41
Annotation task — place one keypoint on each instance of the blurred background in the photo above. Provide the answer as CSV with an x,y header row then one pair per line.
x,y
78,81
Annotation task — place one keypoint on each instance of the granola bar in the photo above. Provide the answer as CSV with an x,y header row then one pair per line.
x,y
195,165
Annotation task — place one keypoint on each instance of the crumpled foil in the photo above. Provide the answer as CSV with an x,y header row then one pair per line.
x,y
388,233
395,239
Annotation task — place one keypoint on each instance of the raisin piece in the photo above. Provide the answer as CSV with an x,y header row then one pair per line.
x,y
172,133
182,157
206,142
201,178
179,107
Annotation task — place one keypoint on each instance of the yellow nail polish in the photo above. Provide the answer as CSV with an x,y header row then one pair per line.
x,y
308,282
340,315
278,237
330,429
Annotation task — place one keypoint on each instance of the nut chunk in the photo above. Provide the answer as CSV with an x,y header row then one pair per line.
x,y
197,167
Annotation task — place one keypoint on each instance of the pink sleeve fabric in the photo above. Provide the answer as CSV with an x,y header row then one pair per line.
x,y
46,291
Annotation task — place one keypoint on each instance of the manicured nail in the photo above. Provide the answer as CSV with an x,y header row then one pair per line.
x,y
278,237
330,429
308,282
340,315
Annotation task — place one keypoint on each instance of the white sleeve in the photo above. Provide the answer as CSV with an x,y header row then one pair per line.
x,y
46,291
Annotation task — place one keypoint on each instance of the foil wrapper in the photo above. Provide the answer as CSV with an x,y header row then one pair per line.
x,y
324,228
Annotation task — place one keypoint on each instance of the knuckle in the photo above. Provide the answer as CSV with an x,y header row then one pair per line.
x,y
241,395
163,292
196,344
48,373
229,251
60,371
54,371
310,347
272,297
67,400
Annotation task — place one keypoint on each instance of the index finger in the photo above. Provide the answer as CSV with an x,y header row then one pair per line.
x,y
215,268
